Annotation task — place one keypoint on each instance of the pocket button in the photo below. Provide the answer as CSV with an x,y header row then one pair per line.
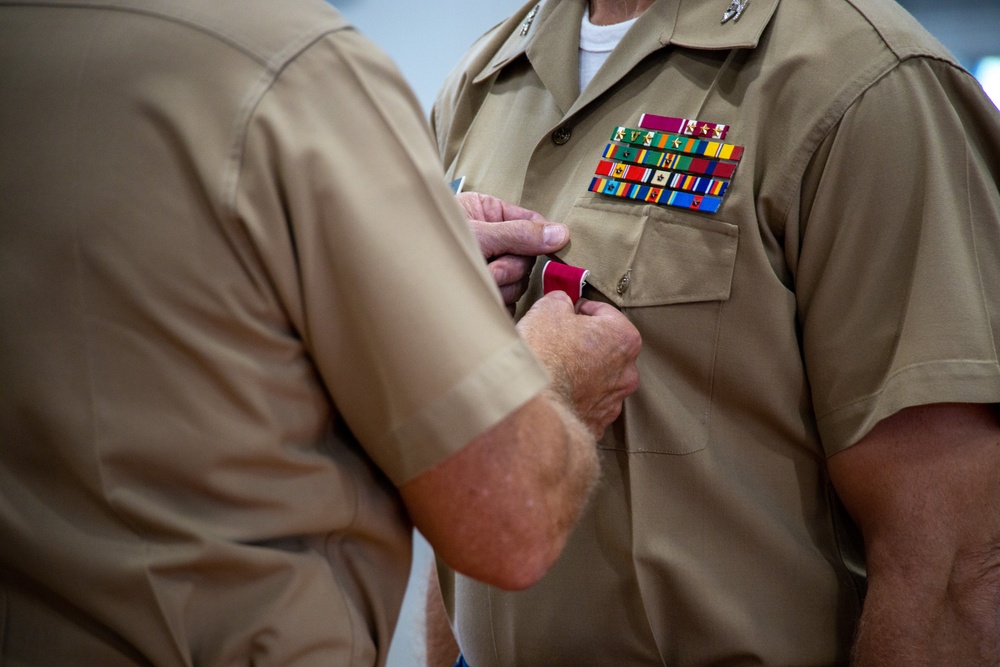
x,y
624,282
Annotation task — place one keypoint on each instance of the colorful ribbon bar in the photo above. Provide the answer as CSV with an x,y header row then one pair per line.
x,y
650,139
569,279
655,195
661,178
667,161
685,126
677,161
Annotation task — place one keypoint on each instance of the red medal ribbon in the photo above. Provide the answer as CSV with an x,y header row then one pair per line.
x,y
688,126
565,278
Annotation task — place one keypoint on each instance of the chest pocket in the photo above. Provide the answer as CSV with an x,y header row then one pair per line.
x,y
671,273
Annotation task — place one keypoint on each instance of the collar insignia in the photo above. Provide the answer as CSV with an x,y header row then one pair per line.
x,y
526,26
735,11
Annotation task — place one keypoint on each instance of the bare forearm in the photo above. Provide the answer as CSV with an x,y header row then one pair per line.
x,y
902,627
571,473
547,486
954,622
500,509
924,487
512,495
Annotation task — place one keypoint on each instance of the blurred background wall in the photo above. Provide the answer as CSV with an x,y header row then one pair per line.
x,y
426,37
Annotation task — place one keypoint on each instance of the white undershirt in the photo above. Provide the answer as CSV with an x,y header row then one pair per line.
x,y
596,44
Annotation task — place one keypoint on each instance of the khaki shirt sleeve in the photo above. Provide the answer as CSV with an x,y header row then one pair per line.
x,y
900,256
345,202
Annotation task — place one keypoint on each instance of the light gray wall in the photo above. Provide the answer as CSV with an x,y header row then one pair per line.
x,y
969,28
426,37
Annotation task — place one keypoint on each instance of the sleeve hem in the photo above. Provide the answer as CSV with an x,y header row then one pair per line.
x,y
922,384
502,384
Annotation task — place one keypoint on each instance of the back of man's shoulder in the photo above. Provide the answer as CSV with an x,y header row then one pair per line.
x,y
899,30
265,30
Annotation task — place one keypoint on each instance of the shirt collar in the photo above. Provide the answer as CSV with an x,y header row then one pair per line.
x,y
699,24
694,24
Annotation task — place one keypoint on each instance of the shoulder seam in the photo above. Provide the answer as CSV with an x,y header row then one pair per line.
x,y
296,42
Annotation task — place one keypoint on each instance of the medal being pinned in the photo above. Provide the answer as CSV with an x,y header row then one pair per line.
x,y
564,277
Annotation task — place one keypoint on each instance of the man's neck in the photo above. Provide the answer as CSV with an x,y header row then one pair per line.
x,y
607,12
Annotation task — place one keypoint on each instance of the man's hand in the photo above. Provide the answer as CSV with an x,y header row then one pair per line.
x,y
591,354
500,509
510,238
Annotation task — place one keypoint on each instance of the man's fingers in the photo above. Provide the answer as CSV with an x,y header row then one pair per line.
x,y
510,269
511,294
519,237
596,308
487,208
556,299
515,212
511,274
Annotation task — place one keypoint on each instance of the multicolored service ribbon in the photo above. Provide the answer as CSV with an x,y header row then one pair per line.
x,y
664,167
701,147
688,126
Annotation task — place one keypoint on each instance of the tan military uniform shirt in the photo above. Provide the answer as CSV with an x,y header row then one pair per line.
x,y
239,306
850,271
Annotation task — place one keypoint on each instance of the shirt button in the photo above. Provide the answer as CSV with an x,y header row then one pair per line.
x,y
561,136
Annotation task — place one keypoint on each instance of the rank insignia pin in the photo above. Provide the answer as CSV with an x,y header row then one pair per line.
x,y
735,11
526,26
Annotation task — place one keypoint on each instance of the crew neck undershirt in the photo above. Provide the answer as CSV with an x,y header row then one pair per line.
x,y
596,44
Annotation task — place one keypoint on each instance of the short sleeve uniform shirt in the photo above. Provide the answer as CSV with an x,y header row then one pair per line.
x,y
848,269
241,306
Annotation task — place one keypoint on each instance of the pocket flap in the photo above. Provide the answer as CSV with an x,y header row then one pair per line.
x,y
646,255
